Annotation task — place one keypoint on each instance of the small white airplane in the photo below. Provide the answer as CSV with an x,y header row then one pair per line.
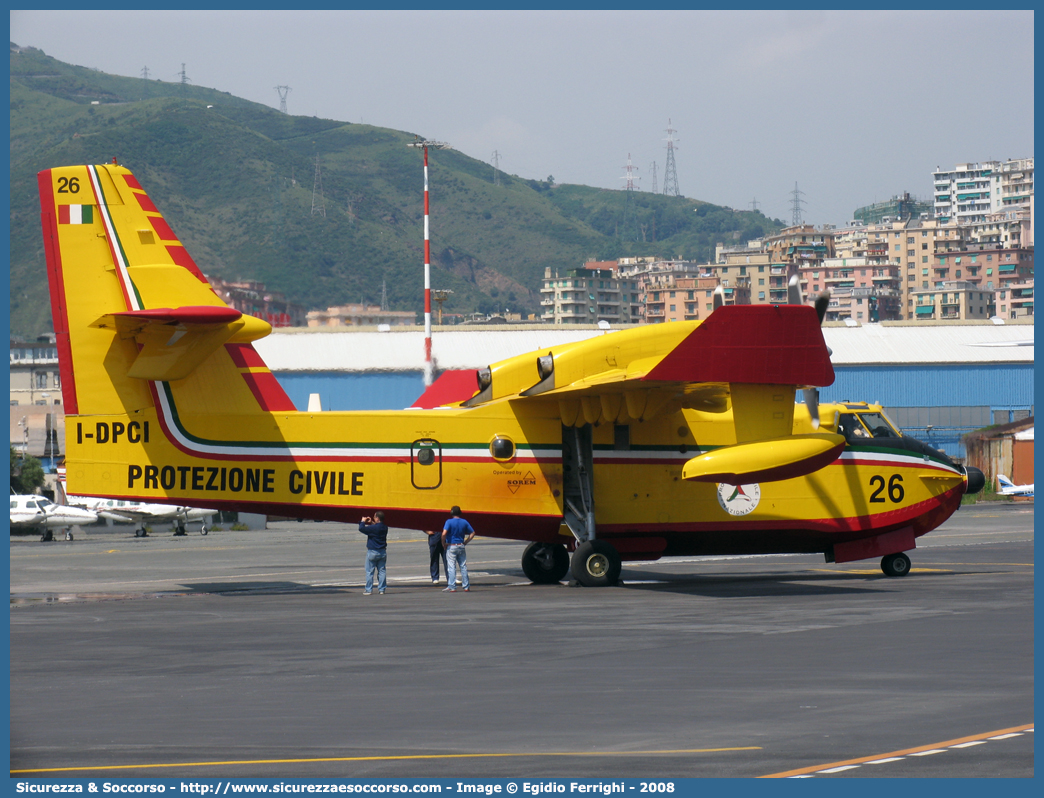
x,y
39,512
141,513
1009,488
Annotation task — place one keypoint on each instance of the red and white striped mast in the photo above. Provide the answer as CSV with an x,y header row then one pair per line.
x,y
428,370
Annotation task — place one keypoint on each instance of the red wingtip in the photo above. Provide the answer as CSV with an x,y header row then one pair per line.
x,y
760,344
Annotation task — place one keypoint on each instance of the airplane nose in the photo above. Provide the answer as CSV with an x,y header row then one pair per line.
x,y
976,480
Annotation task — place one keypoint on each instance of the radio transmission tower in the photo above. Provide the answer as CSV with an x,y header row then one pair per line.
x,y
496,168
318,202
145,73
754,204
628,176
670,174
654,189
185,79
629,224
796,203
283,91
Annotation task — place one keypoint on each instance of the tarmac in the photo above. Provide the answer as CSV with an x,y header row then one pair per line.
x,y
255,654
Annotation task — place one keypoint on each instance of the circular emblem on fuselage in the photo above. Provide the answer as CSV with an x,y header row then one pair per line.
x,y
738,499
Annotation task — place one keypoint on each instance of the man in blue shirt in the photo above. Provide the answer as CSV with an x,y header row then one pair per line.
x,y
456,534
376,551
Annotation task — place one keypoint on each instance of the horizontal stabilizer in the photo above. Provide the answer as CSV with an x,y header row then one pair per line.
x,y
770,460
174,341
192,314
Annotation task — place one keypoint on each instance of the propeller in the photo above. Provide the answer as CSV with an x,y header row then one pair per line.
x,y
809,394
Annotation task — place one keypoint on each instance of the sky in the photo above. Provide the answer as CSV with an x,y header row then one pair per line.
x,y
849,107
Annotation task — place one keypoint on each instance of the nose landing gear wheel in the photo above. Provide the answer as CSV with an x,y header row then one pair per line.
x,y
596,564
545,563
895,564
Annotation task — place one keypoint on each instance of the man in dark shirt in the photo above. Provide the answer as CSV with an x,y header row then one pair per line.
x,y
376,551
436,552
456,534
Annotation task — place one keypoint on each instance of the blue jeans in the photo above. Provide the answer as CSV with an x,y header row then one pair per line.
x,y
378,560
457,555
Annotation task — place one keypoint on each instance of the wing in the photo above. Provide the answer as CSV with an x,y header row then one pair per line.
x,y
749,359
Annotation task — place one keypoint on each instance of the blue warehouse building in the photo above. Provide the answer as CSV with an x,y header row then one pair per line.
x,y
936,381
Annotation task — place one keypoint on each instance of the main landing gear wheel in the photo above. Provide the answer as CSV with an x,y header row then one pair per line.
x,y
596,564
895,564
545,563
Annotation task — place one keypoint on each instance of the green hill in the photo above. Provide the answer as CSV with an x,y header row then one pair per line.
x,y
235,181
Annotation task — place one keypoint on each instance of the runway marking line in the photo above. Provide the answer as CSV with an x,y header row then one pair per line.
x,y
385,759
893,756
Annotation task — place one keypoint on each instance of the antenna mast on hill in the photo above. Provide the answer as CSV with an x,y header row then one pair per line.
x,y
629,226
654,191
428,368
670,173
283,91
754,204
318,201
496,170
184,78
796,203
629,185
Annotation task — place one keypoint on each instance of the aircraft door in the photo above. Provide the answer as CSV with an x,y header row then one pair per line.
x,y
426,463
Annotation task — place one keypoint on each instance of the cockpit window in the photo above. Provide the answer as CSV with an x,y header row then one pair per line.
x,y
864,426
878,425
849,426
43,504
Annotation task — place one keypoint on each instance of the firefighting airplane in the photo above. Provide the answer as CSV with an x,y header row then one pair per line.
x,y
673,439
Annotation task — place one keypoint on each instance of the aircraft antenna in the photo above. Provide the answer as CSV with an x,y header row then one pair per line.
x,y
496,168
318,202
795,205
283,91
670,173
428,369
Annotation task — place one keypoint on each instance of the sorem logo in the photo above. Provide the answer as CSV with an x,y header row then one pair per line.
x,y
738,499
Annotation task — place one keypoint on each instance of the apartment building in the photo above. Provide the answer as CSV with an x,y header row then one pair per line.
x,y
971,191
687,299
657,285
360,315
589,295
255,299
953,300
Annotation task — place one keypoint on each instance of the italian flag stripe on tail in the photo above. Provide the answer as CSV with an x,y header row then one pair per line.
x,y
75,214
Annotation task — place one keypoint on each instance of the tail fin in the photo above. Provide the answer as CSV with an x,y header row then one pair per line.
x,y
129,305
1004,481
